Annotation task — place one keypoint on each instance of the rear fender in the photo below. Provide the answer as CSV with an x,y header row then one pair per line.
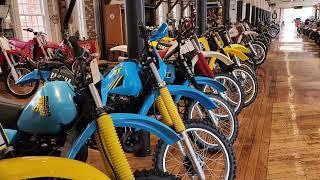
x,y
240,48
122,48
178,91
237,53
127,120
33,76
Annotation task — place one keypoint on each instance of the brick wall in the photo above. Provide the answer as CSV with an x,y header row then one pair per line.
x,y
90,18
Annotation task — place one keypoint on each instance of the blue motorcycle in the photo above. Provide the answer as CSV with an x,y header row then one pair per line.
x,y
142,82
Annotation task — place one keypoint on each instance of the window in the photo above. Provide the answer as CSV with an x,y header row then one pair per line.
x,y
162,13
31,13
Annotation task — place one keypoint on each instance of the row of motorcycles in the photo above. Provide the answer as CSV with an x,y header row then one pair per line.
x,y
309,28
186,90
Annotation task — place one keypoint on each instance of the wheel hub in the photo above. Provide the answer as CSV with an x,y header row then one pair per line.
x,y
189,167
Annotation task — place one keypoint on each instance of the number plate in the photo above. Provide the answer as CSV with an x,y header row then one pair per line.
x,y
95,71
61,75
187,47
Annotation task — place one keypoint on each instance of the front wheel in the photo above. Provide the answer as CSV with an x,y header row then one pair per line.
x,y
20,91
223,117
216,164
249,83
234,93
261,53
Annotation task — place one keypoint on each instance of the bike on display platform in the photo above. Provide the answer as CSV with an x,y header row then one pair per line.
x,y
195,144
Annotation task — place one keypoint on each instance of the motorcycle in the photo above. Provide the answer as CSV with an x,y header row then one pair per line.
x,y
12,69
125,79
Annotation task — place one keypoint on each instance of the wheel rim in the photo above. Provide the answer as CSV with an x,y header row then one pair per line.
x,y
233,92
247,82
217,161
20,89
260,53
221,117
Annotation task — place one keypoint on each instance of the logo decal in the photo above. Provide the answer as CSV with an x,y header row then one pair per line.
x,y
42,107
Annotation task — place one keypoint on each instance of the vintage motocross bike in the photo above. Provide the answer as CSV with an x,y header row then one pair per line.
x,y
247,80
12,69
37,49
51,115
240,33
183,59
234,93
112,84
179,71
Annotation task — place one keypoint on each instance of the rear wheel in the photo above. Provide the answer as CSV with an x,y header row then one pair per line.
x,y
20,91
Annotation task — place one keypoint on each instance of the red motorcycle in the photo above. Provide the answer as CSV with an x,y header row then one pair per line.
x,y
12,69
35,50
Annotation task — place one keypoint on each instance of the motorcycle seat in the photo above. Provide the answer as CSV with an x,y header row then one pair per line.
x,y
49,65
9,112
18,43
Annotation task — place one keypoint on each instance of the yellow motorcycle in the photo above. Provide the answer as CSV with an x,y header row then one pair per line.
x,y
242,71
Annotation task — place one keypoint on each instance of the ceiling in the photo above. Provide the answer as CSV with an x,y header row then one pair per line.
x,y
292,3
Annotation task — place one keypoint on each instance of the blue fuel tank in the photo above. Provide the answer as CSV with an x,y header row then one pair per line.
x,y
51,109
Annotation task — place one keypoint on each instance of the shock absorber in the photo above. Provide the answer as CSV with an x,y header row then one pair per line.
x,y
110,145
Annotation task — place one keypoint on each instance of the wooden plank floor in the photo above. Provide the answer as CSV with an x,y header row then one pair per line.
x,y
279,135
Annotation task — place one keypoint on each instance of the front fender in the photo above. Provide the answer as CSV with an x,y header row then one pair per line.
x,y
216,55
179,91
208,81
237,53
240,48
127,120
205,43
251,33
33,76
30,167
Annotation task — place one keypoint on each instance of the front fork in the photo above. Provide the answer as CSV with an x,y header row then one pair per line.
x,y
173,114
109,146
10,60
